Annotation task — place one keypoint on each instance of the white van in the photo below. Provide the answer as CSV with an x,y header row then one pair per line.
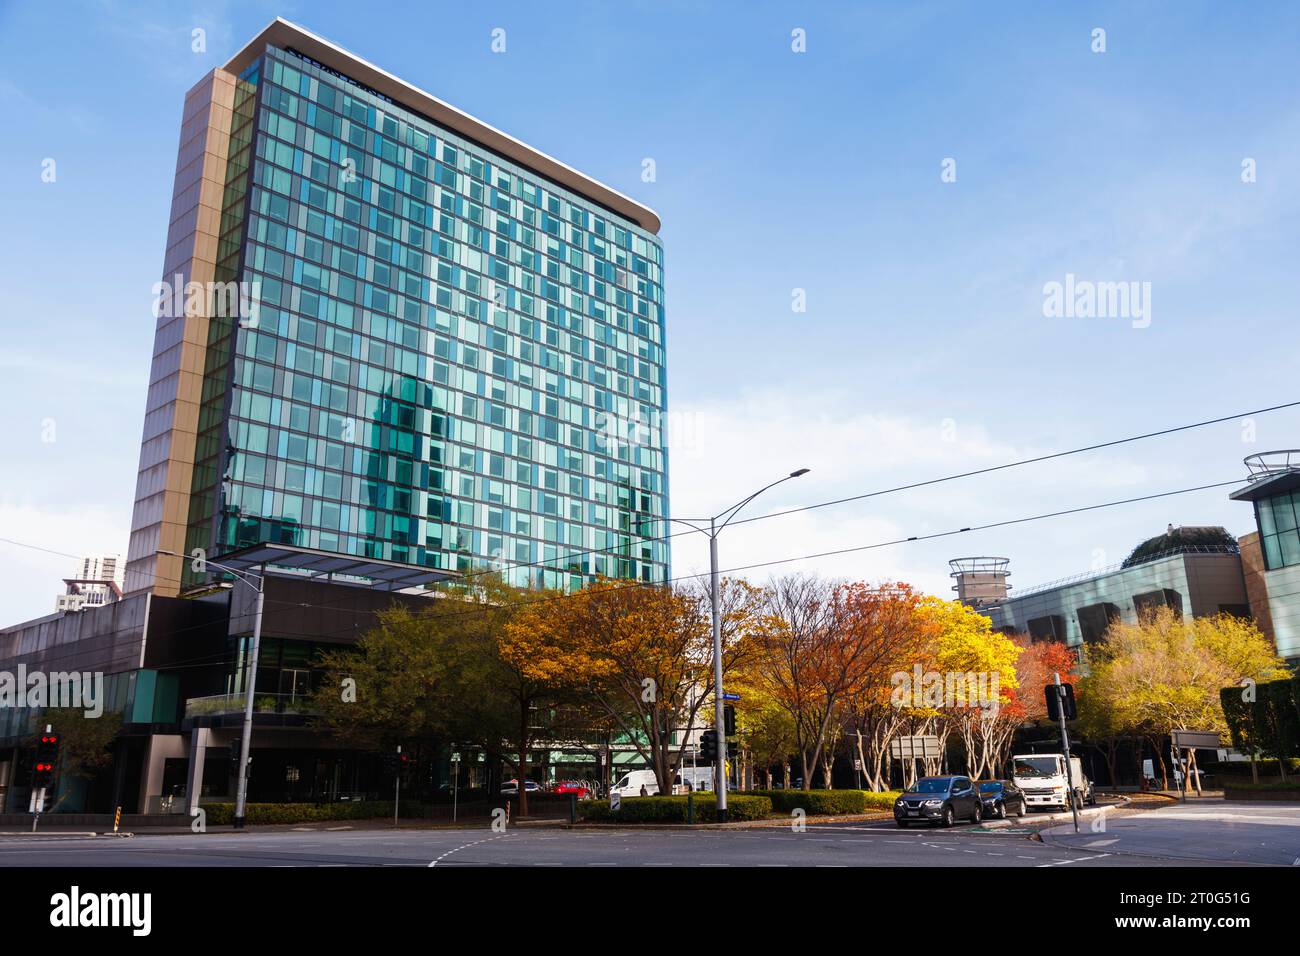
x,y
631,783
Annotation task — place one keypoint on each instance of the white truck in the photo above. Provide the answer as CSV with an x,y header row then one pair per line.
x,y
693,778
1042,779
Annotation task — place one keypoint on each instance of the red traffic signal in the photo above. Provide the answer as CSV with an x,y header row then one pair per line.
x,y
47,754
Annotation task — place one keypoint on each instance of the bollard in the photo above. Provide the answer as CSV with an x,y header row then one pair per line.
x,y
573,808
117,819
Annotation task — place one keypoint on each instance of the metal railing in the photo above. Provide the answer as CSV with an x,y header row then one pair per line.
x,y
1120,566
220,704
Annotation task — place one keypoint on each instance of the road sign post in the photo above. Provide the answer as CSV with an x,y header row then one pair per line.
x,y
1065,708
397,784
909,749
1191,741
455,782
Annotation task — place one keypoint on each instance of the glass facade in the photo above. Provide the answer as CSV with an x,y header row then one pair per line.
x,y
454,362
1279,531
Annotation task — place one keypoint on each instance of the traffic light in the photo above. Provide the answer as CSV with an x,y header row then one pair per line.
x,y
729,720
47,755
236,751
1059,697
709,746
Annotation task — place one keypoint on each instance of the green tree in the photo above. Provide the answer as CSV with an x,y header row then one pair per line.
x,y
1164,673
84,744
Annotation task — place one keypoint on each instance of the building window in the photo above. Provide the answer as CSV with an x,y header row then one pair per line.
x,y
1095,620
1278,531
1149,601
1049,628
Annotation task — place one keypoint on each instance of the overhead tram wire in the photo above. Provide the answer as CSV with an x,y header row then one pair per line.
x,y
479,609
897,488
543,565
1024,461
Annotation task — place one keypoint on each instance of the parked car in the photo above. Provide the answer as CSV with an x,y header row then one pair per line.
x,y
512,786
940,800
572,786
1002,798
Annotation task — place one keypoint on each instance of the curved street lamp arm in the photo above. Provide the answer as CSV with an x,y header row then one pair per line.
x,y
736,508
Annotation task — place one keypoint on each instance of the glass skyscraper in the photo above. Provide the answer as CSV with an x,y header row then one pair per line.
x,y
451,350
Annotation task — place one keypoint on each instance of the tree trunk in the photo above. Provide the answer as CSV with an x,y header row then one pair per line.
x,y
1164,768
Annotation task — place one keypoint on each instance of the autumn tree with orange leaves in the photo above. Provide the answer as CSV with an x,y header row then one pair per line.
x,y
643,654
823,643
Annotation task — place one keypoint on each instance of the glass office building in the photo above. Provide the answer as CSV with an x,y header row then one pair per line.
x,y
452,347
1271,554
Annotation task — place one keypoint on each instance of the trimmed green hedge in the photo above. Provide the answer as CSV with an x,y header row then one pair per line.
x,y
740,806
820,803
1231,770
223,814
1246,786
882,800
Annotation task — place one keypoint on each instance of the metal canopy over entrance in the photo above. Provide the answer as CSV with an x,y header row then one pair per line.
x,y
337,568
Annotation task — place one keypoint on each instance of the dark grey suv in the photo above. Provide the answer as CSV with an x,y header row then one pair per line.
x,y
941,800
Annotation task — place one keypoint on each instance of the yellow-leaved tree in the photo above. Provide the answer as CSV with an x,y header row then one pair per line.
x,y
1164,672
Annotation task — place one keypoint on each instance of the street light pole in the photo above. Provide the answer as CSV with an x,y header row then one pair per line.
x,y
246,741
250,682
719,721
715,526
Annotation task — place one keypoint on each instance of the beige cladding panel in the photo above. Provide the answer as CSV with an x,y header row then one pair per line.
x,y
160,517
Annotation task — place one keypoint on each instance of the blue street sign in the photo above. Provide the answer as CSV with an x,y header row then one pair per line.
x,y
731,697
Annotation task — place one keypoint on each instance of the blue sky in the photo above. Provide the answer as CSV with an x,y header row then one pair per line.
x,y
923,350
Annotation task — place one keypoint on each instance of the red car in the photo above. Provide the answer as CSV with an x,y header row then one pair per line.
x,y
572,786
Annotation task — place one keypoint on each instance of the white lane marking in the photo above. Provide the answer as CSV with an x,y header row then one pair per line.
x,y
1078,859
465,847
1093,843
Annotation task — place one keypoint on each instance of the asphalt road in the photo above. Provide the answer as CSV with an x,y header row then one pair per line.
x,y
863,844
1259,833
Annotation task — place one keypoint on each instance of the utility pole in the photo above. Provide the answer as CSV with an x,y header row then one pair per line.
x,y
250,674
720,762
250,685
715,526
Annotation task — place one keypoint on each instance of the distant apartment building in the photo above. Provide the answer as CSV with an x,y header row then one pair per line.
x,y
96,582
